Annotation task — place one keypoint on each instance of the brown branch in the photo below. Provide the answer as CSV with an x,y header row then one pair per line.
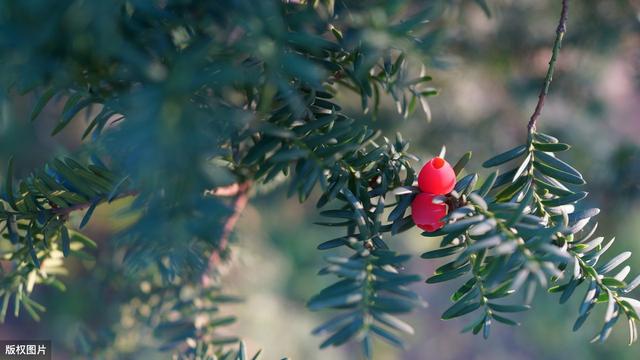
x,y
560,31
241,193
226,191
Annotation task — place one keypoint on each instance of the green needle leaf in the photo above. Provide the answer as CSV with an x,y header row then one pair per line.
x,y
505,156
42,102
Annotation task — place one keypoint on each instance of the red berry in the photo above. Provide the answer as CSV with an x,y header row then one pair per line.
x,y
437,177
426,215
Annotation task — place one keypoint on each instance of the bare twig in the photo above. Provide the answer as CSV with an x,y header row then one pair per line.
x,y
226,191
240,202
560,31
241,193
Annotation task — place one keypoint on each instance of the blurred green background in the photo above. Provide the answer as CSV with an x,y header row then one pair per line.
x,y
488,75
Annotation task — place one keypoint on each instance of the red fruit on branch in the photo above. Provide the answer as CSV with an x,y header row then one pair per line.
x,y
426,215
437,177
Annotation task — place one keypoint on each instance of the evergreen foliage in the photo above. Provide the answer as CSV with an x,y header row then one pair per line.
x,y
187,102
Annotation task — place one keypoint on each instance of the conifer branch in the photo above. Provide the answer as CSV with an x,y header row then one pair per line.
x,y
560,31
241,193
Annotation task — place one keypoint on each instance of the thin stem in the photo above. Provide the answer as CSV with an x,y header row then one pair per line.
x,y
241,200
241,193
560,31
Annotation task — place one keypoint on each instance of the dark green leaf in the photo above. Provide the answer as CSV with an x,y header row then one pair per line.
x,y
478,200
224,340
551,147
504,178
242,352
580,321
464,289
260,149
551,188
64,237
88,214
556,163
341,214
505,320
462,224
522,207
78,237
558,174
393,305
69,114
32,250
612,282
321,302
568,291
335,322
475,325
288,155
505,156
544,138
463,310
485,243
466,184
457,168
589,298
389,337
438,253
114,193
523,168
400,209
222,321
42,102
449,275
569,199
330,244
509,308
509,191
488,184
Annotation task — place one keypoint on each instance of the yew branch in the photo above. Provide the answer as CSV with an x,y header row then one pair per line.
x,y
241,193
560,31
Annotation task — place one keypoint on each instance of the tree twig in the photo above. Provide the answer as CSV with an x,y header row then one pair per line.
x,y
560,31
226,191
241,193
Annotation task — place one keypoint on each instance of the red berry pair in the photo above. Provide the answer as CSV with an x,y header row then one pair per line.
x,y
436,178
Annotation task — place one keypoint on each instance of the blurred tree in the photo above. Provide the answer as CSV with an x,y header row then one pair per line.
x,y
189,105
